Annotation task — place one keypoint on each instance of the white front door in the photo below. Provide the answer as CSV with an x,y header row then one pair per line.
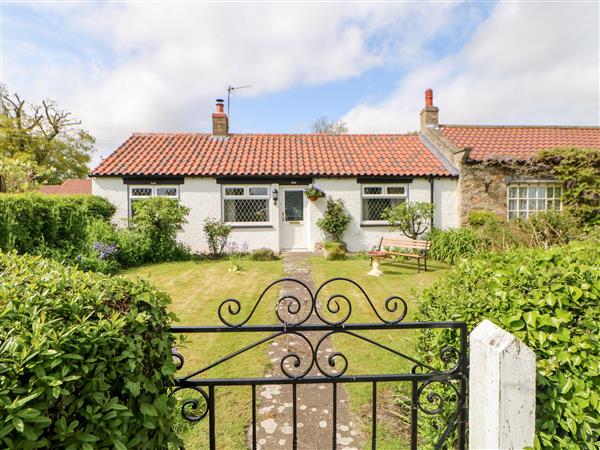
x,y
293,209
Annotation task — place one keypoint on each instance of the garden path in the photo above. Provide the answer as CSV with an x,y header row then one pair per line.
x,y
314,401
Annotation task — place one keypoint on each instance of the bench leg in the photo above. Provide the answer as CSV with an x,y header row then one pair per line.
x,y
419,265
425,262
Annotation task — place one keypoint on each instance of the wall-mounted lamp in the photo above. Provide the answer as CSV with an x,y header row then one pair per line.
x,y
275,193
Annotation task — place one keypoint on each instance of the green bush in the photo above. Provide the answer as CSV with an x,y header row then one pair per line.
x,y
449,246
550,299
158,219
35,223
335,221
85,359
336,251
216,232
263,254
482,217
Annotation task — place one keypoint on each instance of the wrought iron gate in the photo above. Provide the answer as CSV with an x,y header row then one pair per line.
x,y
297,317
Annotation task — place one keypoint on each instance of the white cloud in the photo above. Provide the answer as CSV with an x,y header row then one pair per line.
x,y
527,63
127,67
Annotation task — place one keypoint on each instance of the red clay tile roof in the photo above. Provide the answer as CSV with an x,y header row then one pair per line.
x,y
272,155
49,188
72,186
517,142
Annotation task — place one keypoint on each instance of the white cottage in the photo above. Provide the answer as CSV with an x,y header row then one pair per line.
x,y
256,182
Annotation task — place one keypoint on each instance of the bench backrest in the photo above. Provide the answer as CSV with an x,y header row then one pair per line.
x,y
403,243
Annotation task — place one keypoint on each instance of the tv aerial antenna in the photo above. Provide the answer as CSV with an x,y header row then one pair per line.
x,y
231,89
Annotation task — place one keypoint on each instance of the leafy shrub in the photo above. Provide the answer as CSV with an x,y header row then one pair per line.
x,y
411,218
550,299
216,232
263,254
448,246
550,228
335,250
85,359
544,229
159,219
35,223
482,217
335,221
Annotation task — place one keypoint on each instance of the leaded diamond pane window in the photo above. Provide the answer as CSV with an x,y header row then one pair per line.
x,y
373,207
526,199
377,198
166,191
141,192
246,210
246,204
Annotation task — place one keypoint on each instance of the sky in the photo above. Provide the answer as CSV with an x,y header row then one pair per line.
x,y
151,66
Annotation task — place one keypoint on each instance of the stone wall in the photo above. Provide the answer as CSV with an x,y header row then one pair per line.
x,y
483,187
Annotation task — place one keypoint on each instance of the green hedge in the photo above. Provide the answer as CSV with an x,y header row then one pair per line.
x,y
36,223
85,359
550,299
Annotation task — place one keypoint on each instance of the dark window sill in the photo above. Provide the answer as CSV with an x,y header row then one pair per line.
x,y
267,225
380,225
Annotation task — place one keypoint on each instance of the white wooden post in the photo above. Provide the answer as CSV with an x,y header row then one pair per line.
x,y
501,390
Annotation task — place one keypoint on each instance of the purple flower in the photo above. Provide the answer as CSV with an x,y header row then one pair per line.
x,y
104,250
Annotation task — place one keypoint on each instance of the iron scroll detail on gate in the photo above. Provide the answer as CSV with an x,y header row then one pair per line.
x,y
301,315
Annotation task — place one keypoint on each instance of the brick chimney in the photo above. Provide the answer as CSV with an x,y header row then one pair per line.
x,y
220,122
429,114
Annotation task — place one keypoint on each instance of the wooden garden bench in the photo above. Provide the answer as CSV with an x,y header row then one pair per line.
x,y
410,248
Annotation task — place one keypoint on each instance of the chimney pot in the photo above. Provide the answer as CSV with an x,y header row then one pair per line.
x,y
428,98
220,105
429,114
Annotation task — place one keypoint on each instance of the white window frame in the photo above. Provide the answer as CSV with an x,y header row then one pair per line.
x,y
527,211
246,196
153,193
384,194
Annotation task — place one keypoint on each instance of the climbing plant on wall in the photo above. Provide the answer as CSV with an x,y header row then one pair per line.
x,y
579,170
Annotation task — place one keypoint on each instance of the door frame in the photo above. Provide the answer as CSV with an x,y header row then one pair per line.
x,y
283,223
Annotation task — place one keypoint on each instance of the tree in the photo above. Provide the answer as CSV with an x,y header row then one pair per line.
x,y
17,175
411,218
44,135
325,126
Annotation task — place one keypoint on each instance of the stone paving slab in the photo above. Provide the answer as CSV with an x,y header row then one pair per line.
x,y
314,416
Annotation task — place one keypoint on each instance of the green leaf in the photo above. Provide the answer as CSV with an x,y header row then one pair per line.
x,y
148,410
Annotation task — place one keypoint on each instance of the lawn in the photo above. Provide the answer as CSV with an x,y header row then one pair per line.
x,y
399,279
198,287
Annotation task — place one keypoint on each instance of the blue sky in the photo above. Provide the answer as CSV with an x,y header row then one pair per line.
x,y
151,66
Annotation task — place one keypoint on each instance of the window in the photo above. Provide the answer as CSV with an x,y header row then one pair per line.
x,y
528,198
137,193
246,204
375,199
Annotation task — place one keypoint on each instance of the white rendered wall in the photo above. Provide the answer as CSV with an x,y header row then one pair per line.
x,y
445,199
113,189
365,237
203,197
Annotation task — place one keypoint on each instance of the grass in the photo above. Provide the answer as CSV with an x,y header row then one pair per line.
x,y
399,279
197,288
